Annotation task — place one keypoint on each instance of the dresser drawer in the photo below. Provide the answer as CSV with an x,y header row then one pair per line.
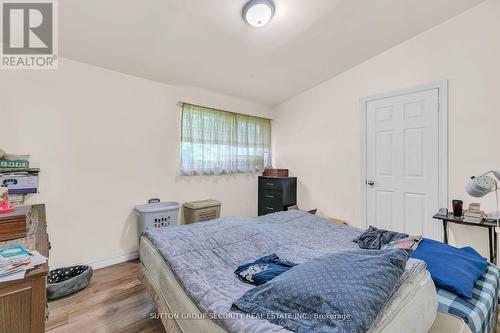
x,y
270,196
272,184
270,202
267,209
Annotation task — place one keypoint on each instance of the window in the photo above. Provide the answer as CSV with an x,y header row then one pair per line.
x,y
216,142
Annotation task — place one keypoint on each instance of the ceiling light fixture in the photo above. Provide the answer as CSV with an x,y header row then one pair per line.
x,y
258,13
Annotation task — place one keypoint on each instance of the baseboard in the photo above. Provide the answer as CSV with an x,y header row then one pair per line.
x,y
114,260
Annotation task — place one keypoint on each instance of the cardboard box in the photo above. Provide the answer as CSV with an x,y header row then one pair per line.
x,y
19,183
8,164
275,173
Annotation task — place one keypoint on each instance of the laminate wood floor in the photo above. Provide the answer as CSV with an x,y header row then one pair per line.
x,y
114,301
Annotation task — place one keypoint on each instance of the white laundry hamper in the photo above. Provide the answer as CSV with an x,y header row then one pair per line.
x,y
156,214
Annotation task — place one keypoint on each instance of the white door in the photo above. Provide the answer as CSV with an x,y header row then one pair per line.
x,y
402,163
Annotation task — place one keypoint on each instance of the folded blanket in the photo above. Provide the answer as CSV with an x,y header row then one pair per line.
x,y
410,243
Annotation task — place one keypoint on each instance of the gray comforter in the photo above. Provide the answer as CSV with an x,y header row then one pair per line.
x,y
204,256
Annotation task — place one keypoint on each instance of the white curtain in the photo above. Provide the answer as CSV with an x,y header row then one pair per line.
x,y
218,142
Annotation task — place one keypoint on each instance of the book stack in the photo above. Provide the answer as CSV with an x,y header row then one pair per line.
x,y
14,225
474,213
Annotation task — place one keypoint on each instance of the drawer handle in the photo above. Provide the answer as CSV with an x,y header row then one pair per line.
x,y
270,208
270,184
270,196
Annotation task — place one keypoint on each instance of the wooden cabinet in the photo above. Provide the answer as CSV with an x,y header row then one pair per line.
x,y
23,302
276,194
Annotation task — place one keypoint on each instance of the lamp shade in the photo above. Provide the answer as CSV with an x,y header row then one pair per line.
x,y
480,186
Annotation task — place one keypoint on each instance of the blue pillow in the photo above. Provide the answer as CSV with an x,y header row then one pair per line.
x,y
263,269
452,269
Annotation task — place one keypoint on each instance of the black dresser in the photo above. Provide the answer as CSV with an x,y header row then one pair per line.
x,y
276,194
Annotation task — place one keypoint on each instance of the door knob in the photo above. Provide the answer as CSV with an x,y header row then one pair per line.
x,y
370,182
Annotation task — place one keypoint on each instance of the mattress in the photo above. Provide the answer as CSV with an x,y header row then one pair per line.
x,y
412,308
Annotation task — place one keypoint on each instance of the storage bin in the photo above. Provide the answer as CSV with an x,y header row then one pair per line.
x,y
199,211
156,215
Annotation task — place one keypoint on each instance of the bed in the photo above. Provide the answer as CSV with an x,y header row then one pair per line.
x,y
189,271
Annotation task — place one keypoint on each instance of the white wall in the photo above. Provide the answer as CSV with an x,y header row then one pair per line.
x,y
106,141
317,134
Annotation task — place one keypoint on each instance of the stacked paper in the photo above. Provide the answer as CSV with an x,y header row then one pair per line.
x,y
15,260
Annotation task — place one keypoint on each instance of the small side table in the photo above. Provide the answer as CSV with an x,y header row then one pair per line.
x,y
464,221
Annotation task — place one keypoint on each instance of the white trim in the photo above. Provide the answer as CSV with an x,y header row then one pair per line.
x,y
114,260
442,87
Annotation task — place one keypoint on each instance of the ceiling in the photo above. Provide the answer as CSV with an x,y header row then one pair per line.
x,y
206,44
